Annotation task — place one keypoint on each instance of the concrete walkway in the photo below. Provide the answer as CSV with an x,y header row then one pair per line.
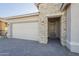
x,y
19,47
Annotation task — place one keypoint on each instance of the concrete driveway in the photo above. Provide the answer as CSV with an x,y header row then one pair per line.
x,y
20,47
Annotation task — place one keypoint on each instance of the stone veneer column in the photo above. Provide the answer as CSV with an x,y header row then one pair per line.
x,y
43,30
63,29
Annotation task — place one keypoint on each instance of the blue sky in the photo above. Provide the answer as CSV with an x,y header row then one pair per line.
x,y
13,9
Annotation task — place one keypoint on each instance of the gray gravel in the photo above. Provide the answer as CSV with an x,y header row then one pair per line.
x,y
20,47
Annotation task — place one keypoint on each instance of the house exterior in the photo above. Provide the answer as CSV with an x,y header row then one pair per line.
x,y
53,20
3,26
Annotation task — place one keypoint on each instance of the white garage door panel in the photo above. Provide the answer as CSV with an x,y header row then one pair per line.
x,y
26,31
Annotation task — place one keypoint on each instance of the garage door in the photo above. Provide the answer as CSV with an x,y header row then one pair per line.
x,y
28,31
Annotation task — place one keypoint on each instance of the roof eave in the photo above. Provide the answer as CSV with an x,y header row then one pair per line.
x,y
22,16
63,6
2,19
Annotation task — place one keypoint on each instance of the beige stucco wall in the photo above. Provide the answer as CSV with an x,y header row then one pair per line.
x,y
9,34
68,33
74,28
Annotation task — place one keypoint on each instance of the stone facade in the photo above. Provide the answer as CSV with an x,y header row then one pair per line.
x,y
63,29
46,10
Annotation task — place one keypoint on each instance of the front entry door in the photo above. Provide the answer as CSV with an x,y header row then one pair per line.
x,y
51,29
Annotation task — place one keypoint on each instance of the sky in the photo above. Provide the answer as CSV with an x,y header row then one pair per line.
x,y
13,9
